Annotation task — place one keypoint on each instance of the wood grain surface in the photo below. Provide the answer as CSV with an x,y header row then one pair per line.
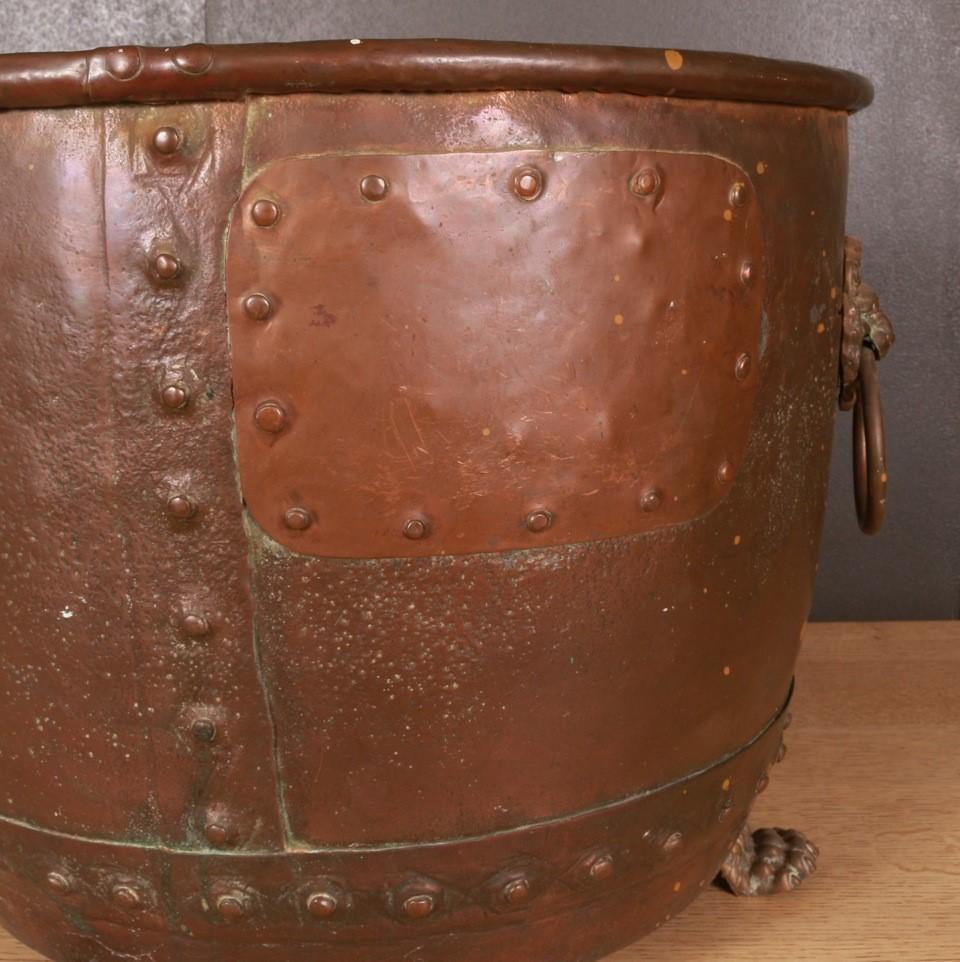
x,y
873,775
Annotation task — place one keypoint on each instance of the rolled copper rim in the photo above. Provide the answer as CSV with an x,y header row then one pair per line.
x,y
134,74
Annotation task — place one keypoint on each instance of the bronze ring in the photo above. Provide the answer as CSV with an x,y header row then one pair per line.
x,y
869,447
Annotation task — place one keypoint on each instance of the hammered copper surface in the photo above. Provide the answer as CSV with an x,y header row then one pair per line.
x,y
215,746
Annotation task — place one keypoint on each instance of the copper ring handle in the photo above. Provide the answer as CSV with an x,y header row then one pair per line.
x,y
869,447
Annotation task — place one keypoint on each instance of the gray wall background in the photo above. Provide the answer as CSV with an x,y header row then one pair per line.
x,y
904,205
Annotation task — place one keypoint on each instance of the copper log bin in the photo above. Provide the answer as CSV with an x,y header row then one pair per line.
x,y
413,470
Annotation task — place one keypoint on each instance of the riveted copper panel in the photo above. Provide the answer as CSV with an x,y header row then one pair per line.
x,y
507,349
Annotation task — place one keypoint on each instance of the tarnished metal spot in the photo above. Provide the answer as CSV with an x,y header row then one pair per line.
x,y
453,355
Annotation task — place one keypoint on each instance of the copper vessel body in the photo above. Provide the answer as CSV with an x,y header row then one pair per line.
x,y
410,506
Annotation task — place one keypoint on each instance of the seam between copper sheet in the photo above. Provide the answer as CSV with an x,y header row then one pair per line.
x,y
131,607
432,843
264,684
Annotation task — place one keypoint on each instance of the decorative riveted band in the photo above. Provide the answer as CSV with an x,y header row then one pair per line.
x,y
636,844
581,422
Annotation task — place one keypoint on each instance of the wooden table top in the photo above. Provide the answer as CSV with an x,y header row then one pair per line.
x,y
873,776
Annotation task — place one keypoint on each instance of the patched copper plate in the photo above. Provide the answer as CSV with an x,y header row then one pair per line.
x,y
451,353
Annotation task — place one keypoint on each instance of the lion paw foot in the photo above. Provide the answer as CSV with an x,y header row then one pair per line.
x,y
768,861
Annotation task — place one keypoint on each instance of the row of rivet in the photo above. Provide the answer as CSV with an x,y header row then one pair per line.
x,y
418,897
415,899
125,63
419,527
181,507
528,183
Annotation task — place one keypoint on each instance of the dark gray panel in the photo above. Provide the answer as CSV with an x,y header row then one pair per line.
x,y
78,24
904,188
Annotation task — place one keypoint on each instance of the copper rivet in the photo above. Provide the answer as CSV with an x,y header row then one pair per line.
x,y
123,63
645,182
257,306
672,842
270,416
527,183
374,187
297,519
651,500
231,906
174,396
725,473
196,626
538,521
60,883
217,834
738,194
166,266
762,783
416,528
601,868
743,366
746,273
517,892
204,730
321,904
419,906
265,213
126,897
194,58
166,140
181,507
